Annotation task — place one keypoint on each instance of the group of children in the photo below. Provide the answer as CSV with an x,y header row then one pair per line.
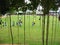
x,y
19,23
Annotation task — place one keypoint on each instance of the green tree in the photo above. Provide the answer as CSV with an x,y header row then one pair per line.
x,y
4,6
35,3
47,5
17,3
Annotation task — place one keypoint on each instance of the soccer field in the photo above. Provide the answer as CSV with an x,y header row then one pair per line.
x,y
28,33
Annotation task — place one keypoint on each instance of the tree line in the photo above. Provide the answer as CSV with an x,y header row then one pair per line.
x,y
5,5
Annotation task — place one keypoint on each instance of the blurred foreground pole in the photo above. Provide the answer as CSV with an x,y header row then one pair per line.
x,y
43,29
11,29
47,30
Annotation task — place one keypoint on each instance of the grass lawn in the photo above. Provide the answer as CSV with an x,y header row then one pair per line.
x,y
33,34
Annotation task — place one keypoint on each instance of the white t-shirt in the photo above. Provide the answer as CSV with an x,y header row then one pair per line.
x,y
59,12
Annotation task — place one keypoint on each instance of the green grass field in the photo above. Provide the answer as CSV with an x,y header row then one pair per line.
x,y
33,34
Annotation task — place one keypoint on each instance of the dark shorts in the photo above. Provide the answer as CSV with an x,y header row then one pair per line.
x,y
59,17
0,22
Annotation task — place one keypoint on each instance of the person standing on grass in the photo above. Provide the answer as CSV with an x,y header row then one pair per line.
x,y
39,18
20,22
4,24
59,14
0,23
12,23
33,23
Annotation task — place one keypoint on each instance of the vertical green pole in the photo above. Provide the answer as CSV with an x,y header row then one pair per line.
x,y
43,29
18,29
24,28
11,30
55,29
47,30
52,29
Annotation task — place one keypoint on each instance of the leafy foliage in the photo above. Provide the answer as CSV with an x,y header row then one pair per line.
x,y
18,3
4,6
35,3
47,5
